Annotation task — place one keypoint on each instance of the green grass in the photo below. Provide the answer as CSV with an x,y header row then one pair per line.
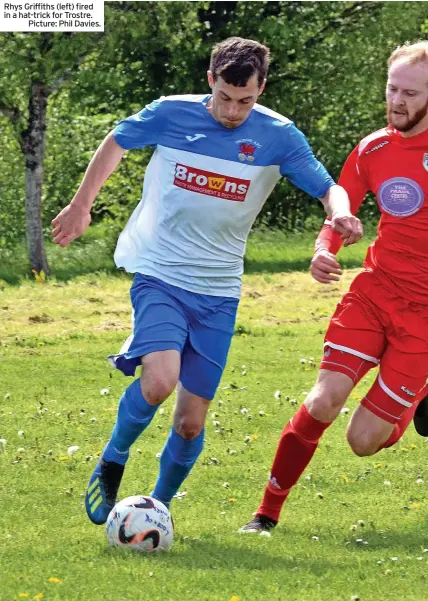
x,y
54,339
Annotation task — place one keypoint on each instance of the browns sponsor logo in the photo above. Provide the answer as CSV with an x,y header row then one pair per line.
x,y
212,184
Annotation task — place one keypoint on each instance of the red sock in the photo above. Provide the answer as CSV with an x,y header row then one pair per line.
x,y
400,427
297,444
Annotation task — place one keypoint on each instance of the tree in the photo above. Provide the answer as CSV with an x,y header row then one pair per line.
x,y
37,66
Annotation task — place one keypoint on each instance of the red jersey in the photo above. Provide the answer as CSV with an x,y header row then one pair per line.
x,y
396,170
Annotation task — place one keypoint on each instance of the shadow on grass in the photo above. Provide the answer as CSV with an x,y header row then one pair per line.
x,y
18,275
260,266
209,555
409,541
268,252
252,554
14,275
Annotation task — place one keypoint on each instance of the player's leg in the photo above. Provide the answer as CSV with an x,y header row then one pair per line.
x,y
368,433
211,326
183,446
137,407
159,333
354,341
390,405
298,443
139,402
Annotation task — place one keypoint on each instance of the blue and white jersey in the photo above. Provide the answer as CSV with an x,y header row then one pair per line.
x,y
204,187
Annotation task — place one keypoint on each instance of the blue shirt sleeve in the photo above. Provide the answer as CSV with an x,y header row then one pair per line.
x,y
301,167
143,128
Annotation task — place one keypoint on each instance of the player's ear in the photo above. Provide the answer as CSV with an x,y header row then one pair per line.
x,y
210,78
262,87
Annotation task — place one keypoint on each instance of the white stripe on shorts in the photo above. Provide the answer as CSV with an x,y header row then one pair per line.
x,y
392,394
352,351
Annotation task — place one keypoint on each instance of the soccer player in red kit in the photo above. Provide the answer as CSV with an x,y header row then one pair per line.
x,y
383,319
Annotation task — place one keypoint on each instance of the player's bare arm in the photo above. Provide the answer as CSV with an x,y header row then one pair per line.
x,y
324,266
75,218
336,204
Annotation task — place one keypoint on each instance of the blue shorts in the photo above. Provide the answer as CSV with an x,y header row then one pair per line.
x,y
199,326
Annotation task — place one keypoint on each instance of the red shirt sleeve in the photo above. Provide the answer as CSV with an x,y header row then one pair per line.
x,y
353,179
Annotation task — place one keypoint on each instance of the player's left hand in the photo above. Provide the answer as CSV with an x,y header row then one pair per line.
x,y
349,226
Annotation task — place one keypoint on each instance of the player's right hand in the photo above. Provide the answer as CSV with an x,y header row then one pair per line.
x,y
349,226
324,267
69,224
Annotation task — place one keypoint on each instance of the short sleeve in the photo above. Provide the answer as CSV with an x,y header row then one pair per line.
x,y
301,167
143,128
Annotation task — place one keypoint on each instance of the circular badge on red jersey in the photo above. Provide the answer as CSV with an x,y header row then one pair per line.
x,y
400,196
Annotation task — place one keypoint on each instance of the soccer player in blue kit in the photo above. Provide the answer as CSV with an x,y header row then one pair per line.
x,y
217,158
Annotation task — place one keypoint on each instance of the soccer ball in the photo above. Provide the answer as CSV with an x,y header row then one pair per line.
x,y
140,523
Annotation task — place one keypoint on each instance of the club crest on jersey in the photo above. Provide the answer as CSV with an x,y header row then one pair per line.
x,y
211,184
246,152
247,148
425,161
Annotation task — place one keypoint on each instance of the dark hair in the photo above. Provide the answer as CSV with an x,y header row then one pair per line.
x,y
236,60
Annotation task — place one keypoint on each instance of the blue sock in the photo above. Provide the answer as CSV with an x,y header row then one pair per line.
x,y
133,417
178,457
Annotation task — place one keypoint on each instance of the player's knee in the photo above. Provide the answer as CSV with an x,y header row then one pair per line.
x,y
324,403
361,444
187,426
158,387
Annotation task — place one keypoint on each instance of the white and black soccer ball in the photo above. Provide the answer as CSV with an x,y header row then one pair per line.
x,y
140,523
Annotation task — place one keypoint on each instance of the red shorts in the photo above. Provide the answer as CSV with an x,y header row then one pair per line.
x,y
373,326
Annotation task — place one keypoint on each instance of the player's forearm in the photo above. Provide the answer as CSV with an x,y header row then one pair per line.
x,y
101,166
336,201
328,240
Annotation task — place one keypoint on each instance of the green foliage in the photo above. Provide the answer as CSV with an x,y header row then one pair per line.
x,y
12,187
71,141
327,74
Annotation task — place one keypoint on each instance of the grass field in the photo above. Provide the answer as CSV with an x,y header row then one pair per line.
x,y
352,529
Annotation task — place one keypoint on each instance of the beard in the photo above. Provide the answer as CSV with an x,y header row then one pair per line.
x,y
411,123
